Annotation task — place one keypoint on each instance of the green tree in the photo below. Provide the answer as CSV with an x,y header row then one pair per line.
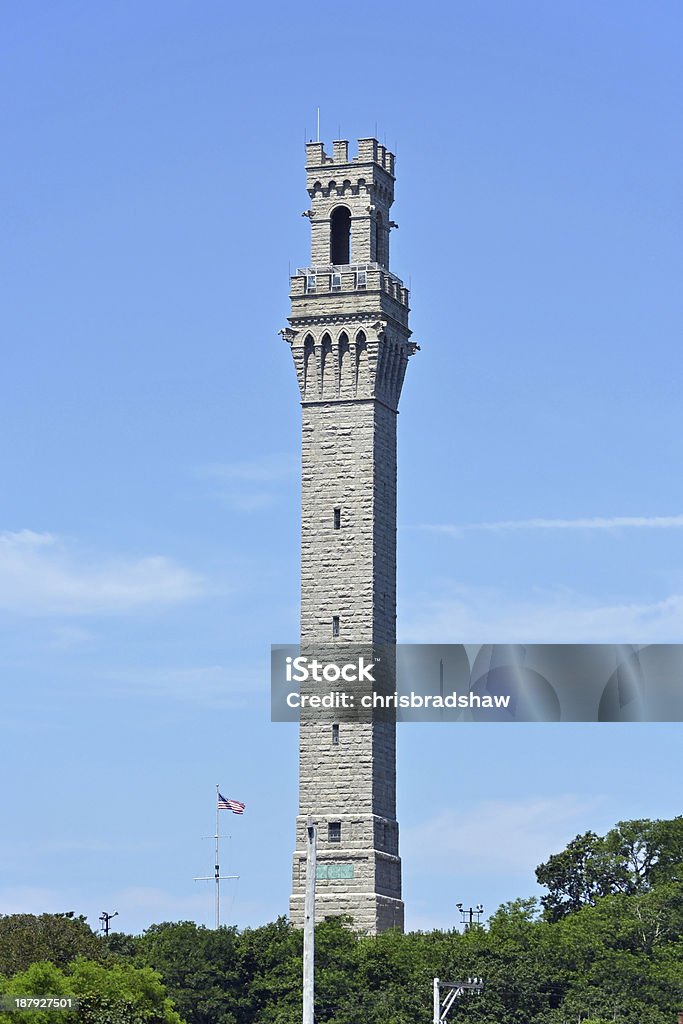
x,y
26,939
631,858
118,994
199,966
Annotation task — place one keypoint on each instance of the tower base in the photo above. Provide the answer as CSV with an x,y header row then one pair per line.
x,y
369,912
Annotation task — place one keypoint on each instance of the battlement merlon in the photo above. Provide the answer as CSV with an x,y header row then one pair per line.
x,y
350,197
370,152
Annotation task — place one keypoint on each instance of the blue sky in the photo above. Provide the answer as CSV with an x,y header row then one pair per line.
x,y
152,189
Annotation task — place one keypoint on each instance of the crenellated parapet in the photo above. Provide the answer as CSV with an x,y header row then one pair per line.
x,y
370,151
361,190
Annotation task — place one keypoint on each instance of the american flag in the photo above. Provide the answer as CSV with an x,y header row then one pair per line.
x,y
236,806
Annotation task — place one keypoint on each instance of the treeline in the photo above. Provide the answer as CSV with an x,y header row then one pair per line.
x,y
605,945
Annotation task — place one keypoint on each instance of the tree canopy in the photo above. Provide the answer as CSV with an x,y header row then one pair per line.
x,y
26,939
605,944
633,857
115,993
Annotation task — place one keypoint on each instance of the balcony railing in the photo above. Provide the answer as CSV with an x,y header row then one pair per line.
x,y
331,268
329,277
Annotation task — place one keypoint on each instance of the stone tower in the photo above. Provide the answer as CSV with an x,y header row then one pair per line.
x,y
350,342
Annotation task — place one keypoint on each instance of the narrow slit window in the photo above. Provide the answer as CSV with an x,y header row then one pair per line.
x,y
335,625
335,735
336,282
334,831
337,518
311,283
361,279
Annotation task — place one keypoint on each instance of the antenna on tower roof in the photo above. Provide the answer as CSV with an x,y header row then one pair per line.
x,y
318,139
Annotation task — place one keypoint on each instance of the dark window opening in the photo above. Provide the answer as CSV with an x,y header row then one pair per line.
x,y
335,625
334,831
337,518
335,735
379,240
340,236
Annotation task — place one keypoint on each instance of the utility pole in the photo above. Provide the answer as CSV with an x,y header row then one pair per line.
x,y
456,989
105,918
309,924
468,914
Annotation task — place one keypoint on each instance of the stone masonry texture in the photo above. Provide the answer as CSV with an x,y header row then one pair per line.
x,y
350,341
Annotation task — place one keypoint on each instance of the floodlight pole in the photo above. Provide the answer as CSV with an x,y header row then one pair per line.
x,y
105,918
468,914
456,989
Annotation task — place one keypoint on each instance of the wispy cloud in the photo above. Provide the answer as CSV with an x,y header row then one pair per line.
x,y
23,849
209,685
465,843
252,484
137,906
141,906
587,523
33,899
486,615
160,905
40,574
70,637
266,469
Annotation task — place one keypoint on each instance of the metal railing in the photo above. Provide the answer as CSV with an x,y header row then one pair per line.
x,y
332,268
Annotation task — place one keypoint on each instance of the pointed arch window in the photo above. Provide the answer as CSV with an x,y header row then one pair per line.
x,y
309,363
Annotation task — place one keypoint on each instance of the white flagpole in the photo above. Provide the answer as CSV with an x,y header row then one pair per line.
x,y
216,867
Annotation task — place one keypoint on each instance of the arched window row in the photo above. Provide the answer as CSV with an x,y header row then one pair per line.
x,y
330,370
310,341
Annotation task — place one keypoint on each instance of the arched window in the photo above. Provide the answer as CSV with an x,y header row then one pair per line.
x,y
340,236
344,362
361,361
326,366
309,366
379,239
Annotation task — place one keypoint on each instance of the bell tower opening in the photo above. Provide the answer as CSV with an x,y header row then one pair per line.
x,y
340,236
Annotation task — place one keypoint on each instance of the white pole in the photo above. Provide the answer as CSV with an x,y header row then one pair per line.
x,y
217,868
216,865
437,1005
309,925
